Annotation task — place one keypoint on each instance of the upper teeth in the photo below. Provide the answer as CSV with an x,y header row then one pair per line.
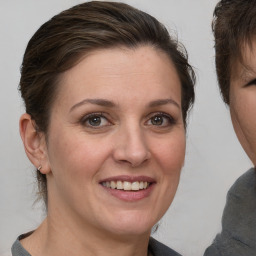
x,y
126,185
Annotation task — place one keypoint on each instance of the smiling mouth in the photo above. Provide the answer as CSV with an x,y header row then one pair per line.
x,y
126,185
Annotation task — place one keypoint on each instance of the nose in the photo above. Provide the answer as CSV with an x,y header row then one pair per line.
x,y
131,147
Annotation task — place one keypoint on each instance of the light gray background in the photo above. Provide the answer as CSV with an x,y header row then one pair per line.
x,y
214,157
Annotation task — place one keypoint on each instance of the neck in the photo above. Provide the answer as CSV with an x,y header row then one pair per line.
x,y
61,237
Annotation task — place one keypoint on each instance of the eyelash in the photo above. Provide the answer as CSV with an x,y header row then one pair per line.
x,y
85,119
252,82
171,121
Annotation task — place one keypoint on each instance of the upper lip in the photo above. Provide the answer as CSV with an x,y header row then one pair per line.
x,y
129,178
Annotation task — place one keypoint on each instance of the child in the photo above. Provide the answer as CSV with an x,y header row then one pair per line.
x,y
234,29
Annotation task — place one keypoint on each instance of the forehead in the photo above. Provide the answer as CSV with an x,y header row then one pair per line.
x,y
244,67
142,68
147,57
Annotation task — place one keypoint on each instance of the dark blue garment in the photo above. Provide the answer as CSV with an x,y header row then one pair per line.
x,y
238,235
156,248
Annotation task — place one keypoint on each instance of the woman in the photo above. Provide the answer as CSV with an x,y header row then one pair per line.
x,y
107,93
234,30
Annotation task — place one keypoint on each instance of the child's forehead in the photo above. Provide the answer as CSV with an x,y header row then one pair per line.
x,y
244,67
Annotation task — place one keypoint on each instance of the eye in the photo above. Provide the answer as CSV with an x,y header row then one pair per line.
x,y
157,120
252,82
161,119
95,120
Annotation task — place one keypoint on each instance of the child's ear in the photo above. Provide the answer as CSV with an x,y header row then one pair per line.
x,y
34,143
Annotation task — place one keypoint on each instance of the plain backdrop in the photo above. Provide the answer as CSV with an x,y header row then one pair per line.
x,y
214,158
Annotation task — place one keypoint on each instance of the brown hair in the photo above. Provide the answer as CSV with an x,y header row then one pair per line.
x,y
61,42
234,24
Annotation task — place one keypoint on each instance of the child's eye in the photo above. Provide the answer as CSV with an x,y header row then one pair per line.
x,y
161,119
252,82
95,121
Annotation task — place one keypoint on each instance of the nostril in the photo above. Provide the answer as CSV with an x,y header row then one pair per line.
x,y
134,160
131,148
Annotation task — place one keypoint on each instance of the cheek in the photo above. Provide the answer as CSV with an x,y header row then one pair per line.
x,y
75,156
170,154
76,163
243,112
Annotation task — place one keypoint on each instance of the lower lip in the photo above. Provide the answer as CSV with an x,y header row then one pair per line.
x,y
131,196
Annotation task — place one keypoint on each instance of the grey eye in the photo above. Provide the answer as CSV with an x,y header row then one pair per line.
x,y
157,120
95,120
161,120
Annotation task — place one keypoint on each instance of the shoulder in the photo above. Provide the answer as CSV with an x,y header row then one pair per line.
x,y
238,235
159,249
18,249
239,217
241,201
245,185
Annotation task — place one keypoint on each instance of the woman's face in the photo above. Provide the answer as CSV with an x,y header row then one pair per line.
x,y
116,141
243,101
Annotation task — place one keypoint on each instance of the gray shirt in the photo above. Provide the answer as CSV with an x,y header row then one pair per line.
x,y
156,248
238,235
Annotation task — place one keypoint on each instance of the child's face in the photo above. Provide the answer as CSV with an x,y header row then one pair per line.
x,y
243,101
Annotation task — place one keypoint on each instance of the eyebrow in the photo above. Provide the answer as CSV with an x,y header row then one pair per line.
x,y
110,104
100,102
161,102
248,77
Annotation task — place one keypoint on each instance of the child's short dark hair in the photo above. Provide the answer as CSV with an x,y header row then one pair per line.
x,y
234,26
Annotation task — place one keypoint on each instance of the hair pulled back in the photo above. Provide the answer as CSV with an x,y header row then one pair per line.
x,y
61,42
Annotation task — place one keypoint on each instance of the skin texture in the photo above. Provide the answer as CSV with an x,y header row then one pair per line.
x,y
243,101
136,85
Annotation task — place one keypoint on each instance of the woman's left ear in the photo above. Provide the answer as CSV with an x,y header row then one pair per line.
x,y
34,143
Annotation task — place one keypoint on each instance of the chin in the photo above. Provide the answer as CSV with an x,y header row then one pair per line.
x,y
133,224
128,231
